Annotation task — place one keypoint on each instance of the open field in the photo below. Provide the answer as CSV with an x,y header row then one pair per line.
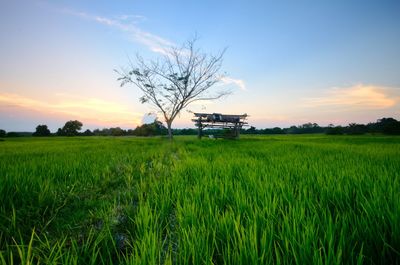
x,y
259,200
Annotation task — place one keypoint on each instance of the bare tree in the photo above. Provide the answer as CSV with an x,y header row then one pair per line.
x,y
181,76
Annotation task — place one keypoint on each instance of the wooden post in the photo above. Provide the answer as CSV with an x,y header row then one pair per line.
x,y
199,134
236,130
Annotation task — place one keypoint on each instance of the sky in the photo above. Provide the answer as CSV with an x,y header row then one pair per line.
x,y
287,62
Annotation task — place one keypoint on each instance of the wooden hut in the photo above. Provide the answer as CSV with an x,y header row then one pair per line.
x,y
233,123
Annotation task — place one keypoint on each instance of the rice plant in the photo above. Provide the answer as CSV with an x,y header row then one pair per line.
x,y
260,200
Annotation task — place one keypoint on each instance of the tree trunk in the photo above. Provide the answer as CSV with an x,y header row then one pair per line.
x,y
169,123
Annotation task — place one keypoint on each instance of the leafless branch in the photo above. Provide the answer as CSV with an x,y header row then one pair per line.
x,y
182,76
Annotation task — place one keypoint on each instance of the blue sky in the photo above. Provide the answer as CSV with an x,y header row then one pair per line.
x,y
288,62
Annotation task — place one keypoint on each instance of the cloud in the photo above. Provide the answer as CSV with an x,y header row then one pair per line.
x,y
362,97
127,24
132,18
93,110
238,82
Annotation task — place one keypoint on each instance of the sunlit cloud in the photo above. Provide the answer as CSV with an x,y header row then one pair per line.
x,y
359,96
237,82
127,24
91,110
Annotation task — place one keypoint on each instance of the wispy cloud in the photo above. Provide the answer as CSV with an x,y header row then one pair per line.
x,y
238,82
359,96
132,18
93,110
127,24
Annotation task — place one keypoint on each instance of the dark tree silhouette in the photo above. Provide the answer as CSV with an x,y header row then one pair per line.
x,y
87,133
389,125
183,75
13,134
334,130
251,130
41,130
70,128
355,129
2,133
117,131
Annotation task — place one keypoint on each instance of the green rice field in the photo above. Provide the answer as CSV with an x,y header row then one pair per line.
x,y
290,199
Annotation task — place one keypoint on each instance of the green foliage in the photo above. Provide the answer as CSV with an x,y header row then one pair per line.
x,y
388,126
262,200
335,130
41,130
70,128
87,133
356,129
13,134
2,133
151,129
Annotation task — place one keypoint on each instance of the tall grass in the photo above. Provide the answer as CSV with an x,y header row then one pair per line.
x,y
259,200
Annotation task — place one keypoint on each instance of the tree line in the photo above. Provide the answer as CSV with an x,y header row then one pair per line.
x,y
383,126
388,126
74,127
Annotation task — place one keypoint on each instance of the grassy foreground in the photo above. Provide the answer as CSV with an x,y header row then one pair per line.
x,y
259,200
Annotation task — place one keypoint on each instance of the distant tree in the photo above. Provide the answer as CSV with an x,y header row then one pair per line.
x,y
251,130
151,129
2,133
277,130
130,132
392,128
334,130
87,133
143,130
386,120
387,126
13,134
106,131
59,132
70,128
182,76
159,128
41,130
292,130
309,128
117,131
102,132
356,129
186,131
